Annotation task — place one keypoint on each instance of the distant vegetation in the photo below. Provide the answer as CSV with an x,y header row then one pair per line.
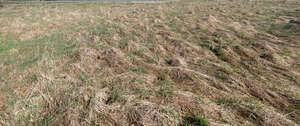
x,y
17,0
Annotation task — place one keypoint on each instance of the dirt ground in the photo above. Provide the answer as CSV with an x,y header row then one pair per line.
x,y
176,63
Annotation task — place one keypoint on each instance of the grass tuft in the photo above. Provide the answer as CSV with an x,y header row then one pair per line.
x,y
227,101
196,121
166,89
114,96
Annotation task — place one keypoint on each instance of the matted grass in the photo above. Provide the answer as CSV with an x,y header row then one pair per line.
x,y
193,62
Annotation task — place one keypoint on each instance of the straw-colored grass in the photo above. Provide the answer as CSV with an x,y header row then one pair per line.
x,y
193,62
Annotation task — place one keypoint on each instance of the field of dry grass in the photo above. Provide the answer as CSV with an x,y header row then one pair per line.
x,y
196,62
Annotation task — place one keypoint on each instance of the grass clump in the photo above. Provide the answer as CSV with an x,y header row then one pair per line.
x,y
123,44
84,77
227,101
223,74
166,88
283,30
297,95
168,111
219,52
140,70
196,121
144,94
205,45
114,96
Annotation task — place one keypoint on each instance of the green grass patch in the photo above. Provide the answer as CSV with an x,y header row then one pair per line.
x,y
166,89
144,94
195,121
84,77
227,101
205,45
223,74
140,70
114,96
123,43
284,30
27,53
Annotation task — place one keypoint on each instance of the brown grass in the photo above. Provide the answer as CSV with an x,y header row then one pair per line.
x,y
232,62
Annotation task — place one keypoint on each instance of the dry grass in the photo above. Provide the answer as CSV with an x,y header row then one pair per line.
x,y
176,63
